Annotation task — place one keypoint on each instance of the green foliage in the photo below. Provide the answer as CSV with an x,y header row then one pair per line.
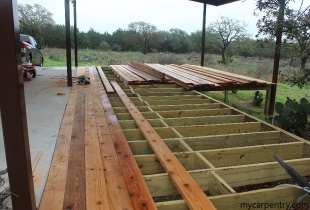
x,y
258,98
293,116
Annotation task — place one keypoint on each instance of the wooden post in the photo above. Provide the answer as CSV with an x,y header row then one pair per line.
x,y
277,57
203,41
13,110
267,101
68,43
226,96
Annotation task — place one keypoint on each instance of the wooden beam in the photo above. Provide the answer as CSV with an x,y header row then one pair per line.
x,y
13,111
184,107
188,188
105,80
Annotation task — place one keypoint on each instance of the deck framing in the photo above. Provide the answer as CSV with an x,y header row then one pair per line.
x,y
220,147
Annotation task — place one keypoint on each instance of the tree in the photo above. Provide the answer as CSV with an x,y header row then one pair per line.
x,y
275,22
226,31
177,41
146,34
33,19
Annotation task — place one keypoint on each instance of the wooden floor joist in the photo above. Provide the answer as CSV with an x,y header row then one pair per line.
x,y
188,188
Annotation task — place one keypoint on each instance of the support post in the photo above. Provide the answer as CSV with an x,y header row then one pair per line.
x,y
226,96
267,101
277,56
13,111
203,41
75,35
68,43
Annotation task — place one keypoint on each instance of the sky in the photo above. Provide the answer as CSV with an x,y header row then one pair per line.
x,y
109,15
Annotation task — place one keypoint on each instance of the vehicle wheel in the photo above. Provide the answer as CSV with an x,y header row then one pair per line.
x,y
34,73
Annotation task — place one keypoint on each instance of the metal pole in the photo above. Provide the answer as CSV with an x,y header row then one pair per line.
x,y
75,35
68,43
203,44
13,110
276,57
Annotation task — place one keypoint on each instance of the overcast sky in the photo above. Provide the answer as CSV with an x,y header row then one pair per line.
x,y
109,15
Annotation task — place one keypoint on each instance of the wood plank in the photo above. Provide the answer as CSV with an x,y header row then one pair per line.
x,y
115,182
142,74
233,140
253,154
147,70
105,81
237,176
184,107
75,185
190,121
195,113
137,189
96,190
219,129
53,194
188,188
243,200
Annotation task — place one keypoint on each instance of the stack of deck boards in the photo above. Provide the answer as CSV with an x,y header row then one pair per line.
x,y
188,76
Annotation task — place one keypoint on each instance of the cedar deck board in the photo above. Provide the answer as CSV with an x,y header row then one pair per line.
x,y
105,80
138,192
75,185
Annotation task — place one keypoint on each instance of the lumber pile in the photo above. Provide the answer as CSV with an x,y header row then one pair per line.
x,y
191,77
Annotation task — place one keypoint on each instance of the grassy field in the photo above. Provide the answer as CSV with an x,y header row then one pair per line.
x,y
253,67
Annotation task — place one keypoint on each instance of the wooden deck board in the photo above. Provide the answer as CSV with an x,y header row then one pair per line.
x,y
105,80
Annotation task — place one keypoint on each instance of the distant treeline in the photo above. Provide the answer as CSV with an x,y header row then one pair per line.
x,y
174,41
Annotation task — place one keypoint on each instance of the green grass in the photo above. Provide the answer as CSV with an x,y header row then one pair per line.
x,y
243,99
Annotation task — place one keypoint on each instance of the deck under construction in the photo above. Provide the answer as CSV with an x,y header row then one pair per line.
x,y
160,146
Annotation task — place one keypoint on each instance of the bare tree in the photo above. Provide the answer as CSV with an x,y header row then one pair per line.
x,y
226,31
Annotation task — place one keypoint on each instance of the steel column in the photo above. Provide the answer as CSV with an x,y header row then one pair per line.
x,y
68,43
75,35
13,110
203,41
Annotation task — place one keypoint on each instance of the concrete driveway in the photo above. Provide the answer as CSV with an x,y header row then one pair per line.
x,y
46,100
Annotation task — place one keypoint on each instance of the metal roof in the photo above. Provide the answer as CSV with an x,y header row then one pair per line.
x,y
215,2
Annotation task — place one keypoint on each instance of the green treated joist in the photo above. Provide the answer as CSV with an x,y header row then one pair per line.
x,y
177,102
185,107
135,134
126,116
178,97
189,121
219,129
168,93
254,154
273,196
158,90
124,110
233,140
195,113
130,124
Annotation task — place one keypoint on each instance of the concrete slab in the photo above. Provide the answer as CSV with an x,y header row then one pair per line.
x,y
45,109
